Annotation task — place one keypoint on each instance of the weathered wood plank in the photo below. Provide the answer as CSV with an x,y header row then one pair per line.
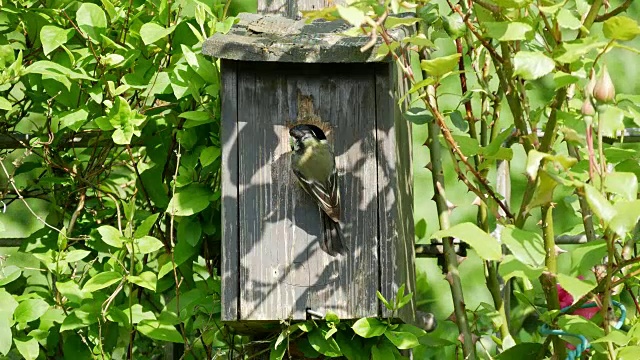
x,y
395,190
278,39
282,269
291,8
230,236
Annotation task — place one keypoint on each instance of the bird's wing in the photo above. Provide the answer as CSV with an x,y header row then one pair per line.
x,y
326,195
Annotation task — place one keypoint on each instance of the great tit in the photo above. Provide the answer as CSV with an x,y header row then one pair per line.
x,y
314,165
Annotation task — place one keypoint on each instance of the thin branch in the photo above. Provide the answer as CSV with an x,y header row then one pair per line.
x,y
620,9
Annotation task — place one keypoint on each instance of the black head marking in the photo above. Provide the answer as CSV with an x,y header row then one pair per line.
x,y
299,131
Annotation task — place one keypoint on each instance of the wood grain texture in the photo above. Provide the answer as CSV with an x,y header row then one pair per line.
x,y
230,236
291,8
282,269
278,39
395,190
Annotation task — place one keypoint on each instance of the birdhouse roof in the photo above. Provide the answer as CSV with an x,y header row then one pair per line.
x,y
278,39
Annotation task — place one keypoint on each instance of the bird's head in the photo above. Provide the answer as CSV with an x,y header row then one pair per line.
x,y
299,135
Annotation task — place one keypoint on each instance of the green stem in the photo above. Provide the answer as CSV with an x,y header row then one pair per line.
x,y
494,288
590,18
587,216
451,258
548,279
606,298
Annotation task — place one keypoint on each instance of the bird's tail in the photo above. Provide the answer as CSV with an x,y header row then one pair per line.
x,y
333,241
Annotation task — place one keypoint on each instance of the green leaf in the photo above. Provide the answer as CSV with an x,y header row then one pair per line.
x,y
5,104
622,183
147,245
509,31
520,351
621,28
320,343
352,15
9,274
331,317
6,336
459,122
574,286
526,246
52,37
421,229
209,155
48,68
30,310
110,236
616,155
578,325
369,327
612,119
76,255
27,347
615,336
626,218
629,353
418,116
393,21
562,79
353,347
306,326
189,200
599,204
8,305
586,256
82,317
382,351
73,119
566,19
384,301
157,330
152,32
532,65
146,226
543,195
571,51
71,290
496,145
125,121
92,20
277,350
146,280
402,340
440,66
487,247
202,66
101,281
512,267
512,4
238,6
196,118
454,25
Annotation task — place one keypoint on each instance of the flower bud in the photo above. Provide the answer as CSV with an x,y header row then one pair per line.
x,y
604,90
587,108
588,89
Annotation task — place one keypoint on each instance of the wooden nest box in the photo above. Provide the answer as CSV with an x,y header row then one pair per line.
x,y
276,73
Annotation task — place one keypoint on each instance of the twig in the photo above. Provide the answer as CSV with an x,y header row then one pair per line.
x,y
76,213
15,188
620,9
